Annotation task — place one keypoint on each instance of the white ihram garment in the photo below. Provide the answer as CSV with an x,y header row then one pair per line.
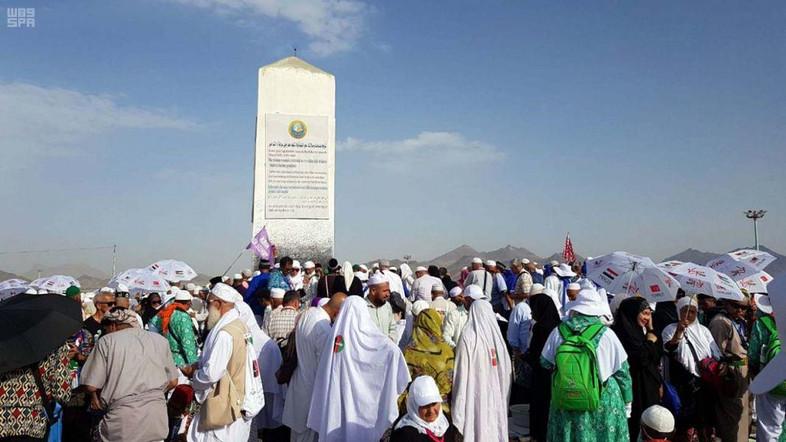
x,y
212,367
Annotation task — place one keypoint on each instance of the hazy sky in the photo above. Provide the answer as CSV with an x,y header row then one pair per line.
x,y
642,126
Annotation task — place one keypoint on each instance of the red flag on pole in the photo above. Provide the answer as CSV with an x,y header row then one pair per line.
x,y
567,252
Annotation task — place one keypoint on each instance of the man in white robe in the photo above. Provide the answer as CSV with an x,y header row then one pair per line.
x,y
312,334
359,379
480,277
213,366
396,284
421,288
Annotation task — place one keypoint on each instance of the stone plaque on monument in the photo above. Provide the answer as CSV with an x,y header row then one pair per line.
x,y
294,163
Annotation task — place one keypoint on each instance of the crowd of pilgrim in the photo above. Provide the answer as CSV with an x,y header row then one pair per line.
x,y
310,352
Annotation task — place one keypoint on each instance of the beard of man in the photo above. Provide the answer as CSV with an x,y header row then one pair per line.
x,y
213,316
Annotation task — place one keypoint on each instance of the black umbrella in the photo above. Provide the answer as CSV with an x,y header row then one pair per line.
x,y
33,326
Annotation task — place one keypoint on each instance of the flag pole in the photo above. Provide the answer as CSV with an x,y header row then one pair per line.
x,y
233,262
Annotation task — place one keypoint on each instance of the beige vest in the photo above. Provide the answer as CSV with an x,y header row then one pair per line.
x,y
222,406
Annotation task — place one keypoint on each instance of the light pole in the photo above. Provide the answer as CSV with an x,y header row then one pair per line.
x,y
755,215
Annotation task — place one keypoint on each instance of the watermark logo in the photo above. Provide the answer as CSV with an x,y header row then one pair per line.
x,y
20,17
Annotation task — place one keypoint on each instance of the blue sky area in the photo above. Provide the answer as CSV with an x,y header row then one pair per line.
x,y
641,126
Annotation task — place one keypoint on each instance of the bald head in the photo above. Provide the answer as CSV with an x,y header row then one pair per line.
x,y
334,305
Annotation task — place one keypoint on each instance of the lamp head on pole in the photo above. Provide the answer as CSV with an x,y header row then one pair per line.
x,y
754,214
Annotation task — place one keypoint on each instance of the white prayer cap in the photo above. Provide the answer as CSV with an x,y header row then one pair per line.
x,y
31,291
256,273
309,265
421,269
190,286
491,263
525,261
364,268
423,391
322,301
197,289
474,292
763,303
363,277
122,288
224,278
554,263
296,264
574,286
564,271
224,292
455,291
167,297
590,303
277,293
183,295
246,273
375,265
477,261
437,288
108,290
393,268
686,301
589,258
377,279
536,289
418,306
237,276
658,418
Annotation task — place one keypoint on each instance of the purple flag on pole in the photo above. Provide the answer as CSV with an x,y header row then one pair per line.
x,y
261,245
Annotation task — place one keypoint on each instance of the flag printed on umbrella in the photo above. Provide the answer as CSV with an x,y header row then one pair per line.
x,y
261,245
567,252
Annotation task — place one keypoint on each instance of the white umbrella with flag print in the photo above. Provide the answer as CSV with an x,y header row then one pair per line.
x,y
125,277
57,283
756,283
11,287
623,273
753,258
145,282
173,270
696,279
36,283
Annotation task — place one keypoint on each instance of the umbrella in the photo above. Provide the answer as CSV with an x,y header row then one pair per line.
x,y
147,282
12,287
756,283
741,268
33,326
57,283
173,270
623,272
775,371
754,258
36,283
694,278
124,277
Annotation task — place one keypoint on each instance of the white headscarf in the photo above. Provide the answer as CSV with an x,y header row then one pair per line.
x,y
481,382
359,380
423,391
589,303
699,336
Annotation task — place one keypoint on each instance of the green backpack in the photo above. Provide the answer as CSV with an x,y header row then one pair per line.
x,y
772,348
576,383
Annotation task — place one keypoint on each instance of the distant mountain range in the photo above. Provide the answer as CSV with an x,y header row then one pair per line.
x,y
454,260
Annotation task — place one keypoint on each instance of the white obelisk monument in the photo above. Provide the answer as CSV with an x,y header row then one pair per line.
x,y
294,162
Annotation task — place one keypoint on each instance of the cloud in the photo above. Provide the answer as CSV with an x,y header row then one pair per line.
x,y
332,25
448,147
38,121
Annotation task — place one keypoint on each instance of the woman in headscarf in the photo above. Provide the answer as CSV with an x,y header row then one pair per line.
x,y
633,326
481,382
686,342
608,422
151,305
425,420
428,354
358,381
546,318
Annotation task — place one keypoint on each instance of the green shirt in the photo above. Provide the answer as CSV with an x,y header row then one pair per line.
x,y
181,337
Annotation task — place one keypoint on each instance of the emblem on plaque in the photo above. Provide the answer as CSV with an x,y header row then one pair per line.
x,y
297,129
